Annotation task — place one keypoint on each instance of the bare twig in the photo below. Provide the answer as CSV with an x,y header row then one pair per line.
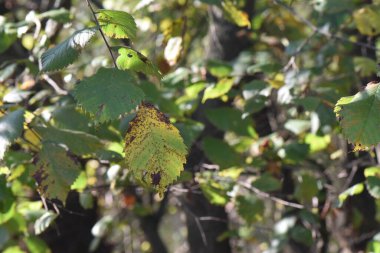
x,y
101,32
266,195
320,31
54,85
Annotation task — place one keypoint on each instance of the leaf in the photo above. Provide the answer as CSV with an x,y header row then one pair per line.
x,y
220,153
219,69
44,222
80,143
36,245
154,149
218,90
367,20
6,40
55,171
117,24
301,235
134,60
353,190
108,94
67,51
230,119
250,208
359,116
214,193
306,189
267,183
365,66
240,18
11,126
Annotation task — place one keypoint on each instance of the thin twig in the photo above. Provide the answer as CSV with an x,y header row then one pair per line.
x,y
322,32
54,85
262,194
101,32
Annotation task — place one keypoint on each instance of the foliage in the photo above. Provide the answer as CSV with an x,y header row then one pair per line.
x,y
250,115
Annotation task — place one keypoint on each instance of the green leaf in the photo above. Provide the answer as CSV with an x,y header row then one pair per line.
x,y
6,40
44,222
7,201
219,69
267,183
11,126
230,119
80,143
214,192
108,94
190,131
154,149
353,190
367,20
359,116
218,90
60,15
307,188
365,66
134,60
250,208
301,235
220,153
373,186
55,171
117,24
36,245
67,51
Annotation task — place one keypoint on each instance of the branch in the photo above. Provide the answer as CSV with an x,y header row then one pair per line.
x,y
262,194
322,32
101,32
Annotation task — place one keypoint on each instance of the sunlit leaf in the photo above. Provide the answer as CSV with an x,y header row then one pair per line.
x,y
44,222
67,51
117,24
108,94
240,18
359,116
218,90
134,60
353,190
11,126
154,149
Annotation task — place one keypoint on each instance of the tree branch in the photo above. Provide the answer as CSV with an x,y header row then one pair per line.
x,y
101,32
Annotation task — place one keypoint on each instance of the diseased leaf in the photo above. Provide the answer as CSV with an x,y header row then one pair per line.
x,y
44,222
11,126
80,143
134,60
108,94
117,24
367,20
154,149
67,51
359,117
55,172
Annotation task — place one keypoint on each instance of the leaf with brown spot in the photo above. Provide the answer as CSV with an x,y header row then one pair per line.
x,y
154,149
55,171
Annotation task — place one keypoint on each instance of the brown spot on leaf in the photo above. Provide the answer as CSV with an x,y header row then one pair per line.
x,y
156,178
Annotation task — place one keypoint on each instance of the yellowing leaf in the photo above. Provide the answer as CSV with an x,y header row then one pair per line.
x,y
55,172
240,18
154,149
367,20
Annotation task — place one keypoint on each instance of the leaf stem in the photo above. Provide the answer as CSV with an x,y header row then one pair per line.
x,y
101,32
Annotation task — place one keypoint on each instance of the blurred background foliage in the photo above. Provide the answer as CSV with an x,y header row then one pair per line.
x,y
250,84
